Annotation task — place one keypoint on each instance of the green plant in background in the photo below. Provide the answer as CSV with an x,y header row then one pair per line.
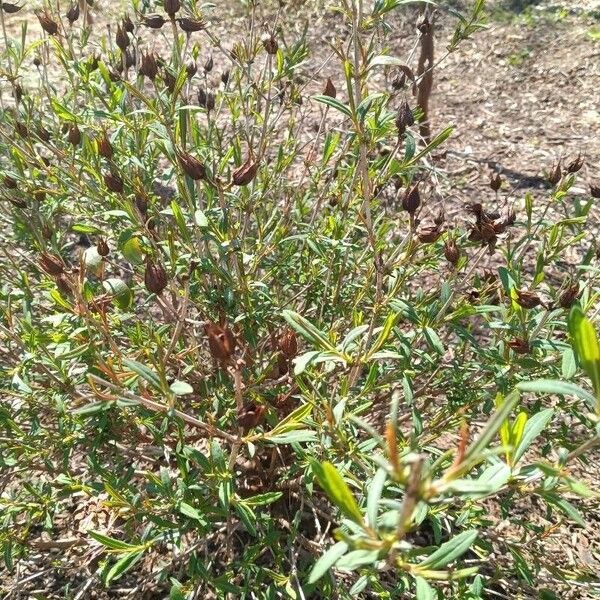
x,y
243,333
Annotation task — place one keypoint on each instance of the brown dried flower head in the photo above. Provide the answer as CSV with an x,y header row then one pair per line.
x,y
251,416
149,68
122,39
404,118
113,182
171,7
155,277
244,174
269,43
569,296
209,64
221,341
73,13
412,199
51,263
48,24
191,68
528,299
519,346
555,174
191,166
495,181
576,164
102,247
191,25
287,343
10,8
451,251
329,89
74,135
153,21
595,191
104,146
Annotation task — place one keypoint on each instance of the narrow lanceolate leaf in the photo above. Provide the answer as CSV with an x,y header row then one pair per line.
x,y
553,386
337,490
148,375
115,545
374,496
587,347
327,561
450,550
534,426
292,421
308,331
345,110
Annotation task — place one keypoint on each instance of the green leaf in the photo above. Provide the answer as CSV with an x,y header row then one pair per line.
x,y
424,591
357,558
569,366
263,499
132,251
144,372
201,219
374,496
190,511
450,550
535,425
121,292
292,421
327,561
586,346
121,567
554,386
334,104
308,331
337,490
114,545
181,388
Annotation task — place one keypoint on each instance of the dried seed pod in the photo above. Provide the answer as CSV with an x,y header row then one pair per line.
x,y
246,173
404,118
519,346
74,135
18,92
171,7
330,89
439,217
191,68
209,64
287,343
511,217
527,299
149,68
251,416
113,182
495,181
73,13
128,25
225,77
17,202
9,182
399,80
221,341
569,296
191,166
43,133
102,247
37,61
429,235
142,202
104,146
595,190
169,80
155,277
576,164
130,57
269,43
206,99
191,25
64,285
412,199
153,21
21,129
39,195
10,8
48,24
51,263
122,39
555,174
451,251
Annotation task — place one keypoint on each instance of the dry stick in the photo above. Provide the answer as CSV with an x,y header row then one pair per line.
x,y
425,72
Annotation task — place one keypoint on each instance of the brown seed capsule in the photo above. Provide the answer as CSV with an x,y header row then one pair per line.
x,y
439,217
519,345
191,166
21,129
64,285
52,264
17,202
74,135
113,182
37,61
404,118
10,8
153,21
429,235
171,7
191,25
221,341
39,195
528,299
155,277
288,343
209,64
102,247
495,181
73,13
569,296
128,25
575,165
251,416
206,99
412,199
122,39
43,133
595,190
104,146
330,89
246,173
225,77
9,182
269,43
130,57
555,174
142,202
191,68
48,24
451,251
18,92
169,80
149,68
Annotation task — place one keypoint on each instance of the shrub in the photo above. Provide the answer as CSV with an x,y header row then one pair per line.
x,y
245,351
